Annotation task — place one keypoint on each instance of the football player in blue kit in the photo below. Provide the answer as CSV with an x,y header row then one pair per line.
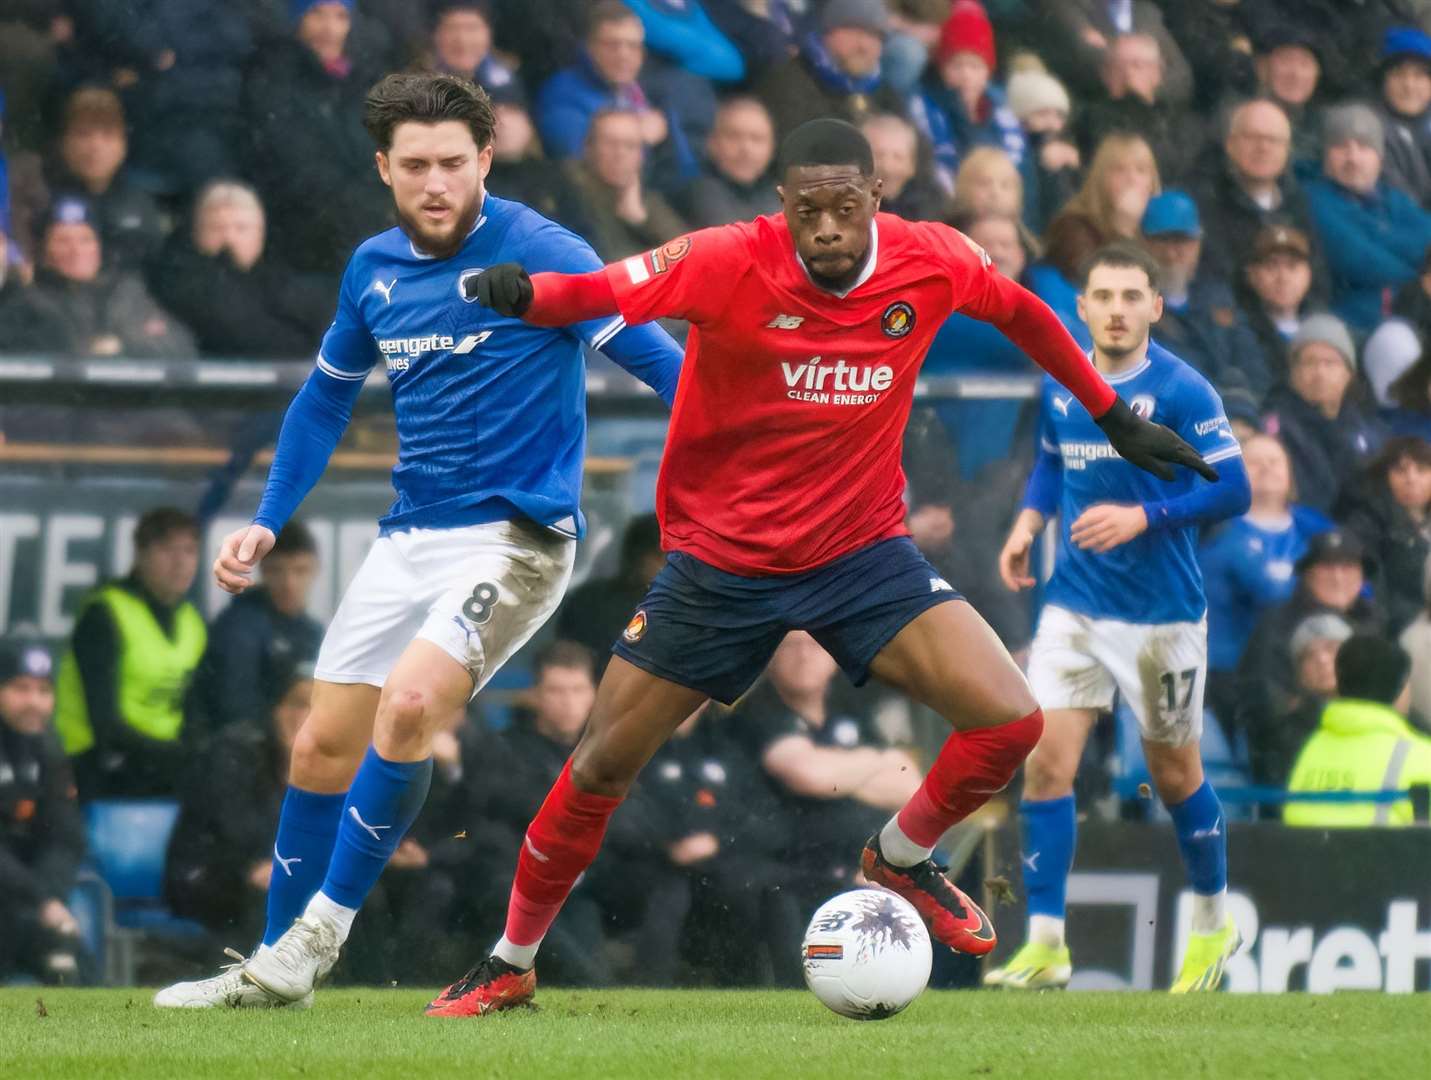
x,y
1124,614
475,552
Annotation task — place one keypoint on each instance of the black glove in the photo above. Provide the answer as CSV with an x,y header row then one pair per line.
x,y
505,288
1148,445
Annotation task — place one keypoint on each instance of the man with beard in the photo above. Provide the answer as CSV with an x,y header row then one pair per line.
x,y
474,554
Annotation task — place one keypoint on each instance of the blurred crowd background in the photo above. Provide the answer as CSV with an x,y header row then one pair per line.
x,y
183,181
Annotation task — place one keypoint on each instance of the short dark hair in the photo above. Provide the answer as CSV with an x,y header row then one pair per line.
x,y
295,538
427,99
1124,253
826,141
565,654
608,11
161,523
1397,449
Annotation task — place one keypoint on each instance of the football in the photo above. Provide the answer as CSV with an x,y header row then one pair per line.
x,y
866,954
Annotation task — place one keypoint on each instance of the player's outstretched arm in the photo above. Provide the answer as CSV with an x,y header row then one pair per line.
x,y
548,299
1031,325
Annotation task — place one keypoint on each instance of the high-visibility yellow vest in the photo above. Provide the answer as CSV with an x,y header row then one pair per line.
x,y
152,672
1359,746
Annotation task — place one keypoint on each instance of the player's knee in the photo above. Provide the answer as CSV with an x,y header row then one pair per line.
x,y
322,759
406,713
598,772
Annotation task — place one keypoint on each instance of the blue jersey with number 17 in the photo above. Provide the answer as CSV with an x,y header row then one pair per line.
x,y
1155,577
490,411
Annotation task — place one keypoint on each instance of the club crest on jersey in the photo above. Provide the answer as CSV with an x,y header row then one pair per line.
x,y
1143,405
635,629
467,284
670,253
897,320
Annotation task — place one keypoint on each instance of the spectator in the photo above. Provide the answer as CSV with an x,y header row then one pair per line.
x,y
23,197
41,833
1410,394
1363,742
1326,430
1133,101
909,191
763,31
837,72
1214,36
1122,177
1250,186
1389,508
914,28
1200,322
217,278
1331,577
1247,564
180,68
1278,281
1375,235
1389,354
684,32
834,777
133,653
260,636
622,216
1041,104
1288,70
715,820
89,162
1416,640
519,168
595,612
1405,111
307,150
1273,741
462,45
957,107
736,184
221,851
1078,35
988,183
675,110
14,318
78,306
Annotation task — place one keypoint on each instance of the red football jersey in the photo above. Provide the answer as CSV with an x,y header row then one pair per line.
x,y
786,434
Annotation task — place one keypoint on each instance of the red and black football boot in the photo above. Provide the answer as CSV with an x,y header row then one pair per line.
x,y
493,985
952,917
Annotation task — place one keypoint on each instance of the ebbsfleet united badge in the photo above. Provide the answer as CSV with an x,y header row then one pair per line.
x,y
635,629
898,319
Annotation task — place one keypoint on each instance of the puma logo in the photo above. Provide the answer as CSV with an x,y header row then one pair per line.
x,y
285,863
371,829
386,290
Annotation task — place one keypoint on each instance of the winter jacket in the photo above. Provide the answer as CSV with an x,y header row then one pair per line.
x,y
131,229
794,94
67,316
715,199
1397,543
1407,162
1208,333
940,115
42,838
1325,453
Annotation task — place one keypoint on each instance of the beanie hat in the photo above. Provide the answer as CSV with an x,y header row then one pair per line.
x,y
1389,353
1372,669
1030,91
299,8
967,30
1405,43
19,658
869,15
1353,121
1326,328
1314,628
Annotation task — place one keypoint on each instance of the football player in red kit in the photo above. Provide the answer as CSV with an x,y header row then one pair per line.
x,y
781,505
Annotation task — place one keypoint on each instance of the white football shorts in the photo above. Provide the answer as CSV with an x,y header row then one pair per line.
x,y
1078,662
478,593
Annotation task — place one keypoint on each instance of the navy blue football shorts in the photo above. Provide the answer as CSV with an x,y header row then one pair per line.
x,y
715,632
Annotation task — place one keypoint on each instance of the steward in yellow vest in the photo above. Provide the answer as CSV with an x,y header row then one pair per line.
x,y
123,681
1364,743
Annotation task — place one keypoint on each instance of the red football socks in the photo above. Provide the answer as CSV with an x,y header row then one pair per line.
x,y
560,844
972,767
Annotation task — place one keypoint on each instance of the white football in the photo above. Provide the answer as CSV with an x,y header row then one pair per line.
x,y
866,954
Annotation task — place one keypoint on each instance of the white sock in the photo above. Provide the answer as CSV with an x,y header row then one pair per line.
x,y
327,909
1046,930
900,850
519,956
1209,913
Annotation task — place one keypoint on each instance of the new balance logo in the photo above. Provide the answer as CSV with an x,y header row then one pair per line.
x,y
1061,404
534,852
938,584
371,829
1208,834
785,322
386,290
285,863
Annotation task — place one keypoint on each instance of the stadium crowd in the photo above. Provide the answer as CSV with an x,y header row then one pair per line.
x,y
188,179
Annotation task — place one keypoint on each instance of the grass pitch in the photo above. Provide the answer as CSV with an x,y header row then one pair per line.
x,y
634,1034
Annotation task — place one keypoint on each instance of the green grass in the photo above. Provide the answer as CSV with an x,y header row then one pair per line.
x,y
692,1035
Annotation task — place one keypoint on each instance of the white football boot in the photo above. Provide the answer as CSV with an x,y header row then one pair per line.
x,y
226,990
297,961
